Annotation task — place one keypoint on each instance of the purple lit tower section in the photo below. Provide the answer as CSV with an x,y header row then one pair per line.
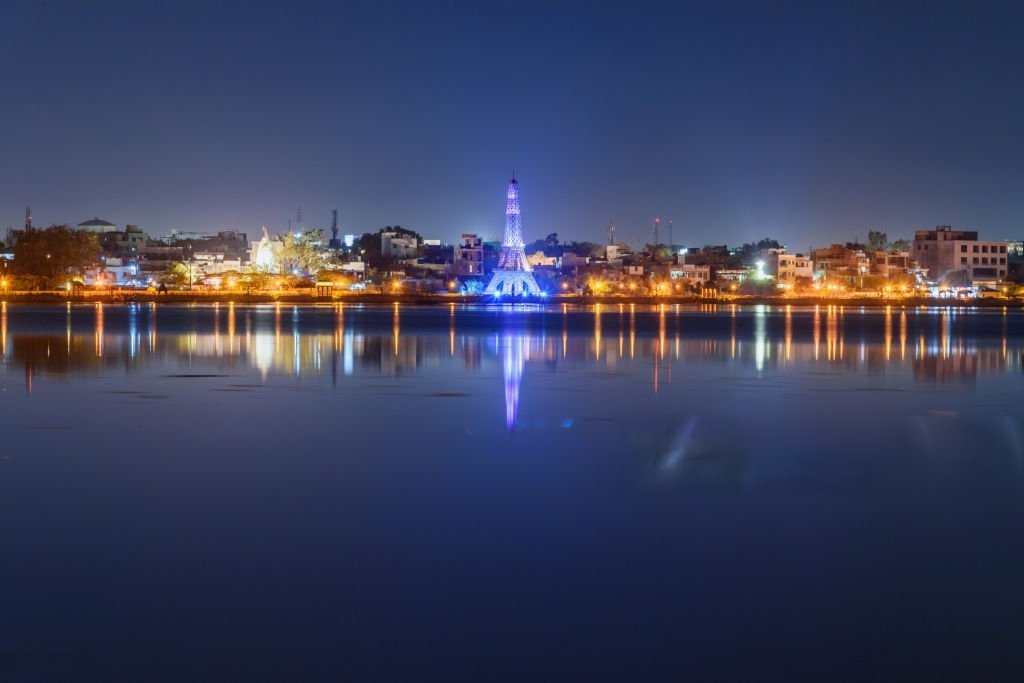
x,y
513,276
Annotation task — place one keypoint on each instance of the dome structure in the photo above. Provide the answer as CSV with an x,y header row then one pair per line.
x,y
97,225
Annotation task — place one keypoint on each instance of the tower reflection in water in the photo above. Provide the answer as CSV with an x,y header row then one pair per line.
x,y
513,361
653,342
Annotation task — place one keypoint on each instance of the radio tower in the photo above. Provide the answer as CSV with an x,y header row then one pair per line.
x,y
513,276
335,243
28,218
670,242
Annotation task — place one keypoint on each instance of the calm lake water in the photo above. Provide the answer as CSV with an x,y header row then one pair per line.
x,y
510,493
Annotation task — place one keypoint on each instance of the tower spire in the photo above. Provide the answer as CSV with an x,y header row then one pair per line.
x,y
513,275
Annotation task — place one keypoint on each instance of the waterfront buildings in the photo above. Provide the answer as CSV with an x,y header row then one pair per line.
x,y
943,260
841,264
959,258
468,257
889,264
695,275
398,245
790,269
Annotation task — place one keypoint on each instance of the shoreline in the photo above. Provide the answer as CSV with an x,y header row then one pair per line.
x,y
445,299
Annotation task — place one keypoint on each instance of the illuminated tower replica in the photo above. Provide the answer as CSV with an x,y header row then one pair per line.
x,y
512,276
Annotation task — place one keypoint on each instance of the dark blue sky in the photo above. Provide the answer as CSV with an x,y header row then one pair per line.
x,y
808,122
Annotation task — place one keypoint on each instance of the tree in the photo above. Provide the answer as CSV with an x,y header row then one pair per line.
x,y
583,249
551,240
535,246
333,276
256,280
55,253
877,241
302,253
176,275
900,245
751,251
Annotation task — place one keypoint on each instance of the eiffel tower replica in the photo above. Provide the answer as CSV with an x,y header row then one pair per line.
x,y
513,276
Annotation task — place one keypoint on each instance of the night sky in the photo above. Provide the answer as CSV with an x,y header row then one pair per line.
x,y
809,122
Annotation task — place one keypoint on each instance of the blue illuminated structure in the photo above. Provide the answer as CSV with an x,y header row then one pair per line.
x,y
513,276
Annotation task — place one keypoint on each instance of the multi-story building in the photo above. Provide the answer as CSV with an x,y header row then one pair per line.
x,y
732,275
233,244
891,263
398,245
788,269
124,244
468,257
571,260
214,263
840,263
156,257
693,274
959,257
615,253
539,259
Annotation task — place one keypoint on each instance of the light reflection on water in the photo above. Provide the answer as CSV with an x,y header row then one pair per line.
x,y
289,339
345,483
927,346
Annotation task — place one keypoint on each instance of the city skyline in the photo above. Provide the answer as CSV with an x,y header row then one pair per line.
x,y
812,125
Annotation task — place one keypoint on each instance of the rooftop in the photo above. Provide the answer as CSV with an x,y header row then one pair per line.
x,y
96,223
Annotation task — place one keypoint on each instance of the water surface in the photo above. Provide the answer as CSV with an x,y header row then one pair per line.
x,y
507,493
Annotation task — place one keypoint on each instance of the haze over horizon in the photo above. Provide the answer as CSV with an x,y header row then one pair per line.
x,y
808,123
